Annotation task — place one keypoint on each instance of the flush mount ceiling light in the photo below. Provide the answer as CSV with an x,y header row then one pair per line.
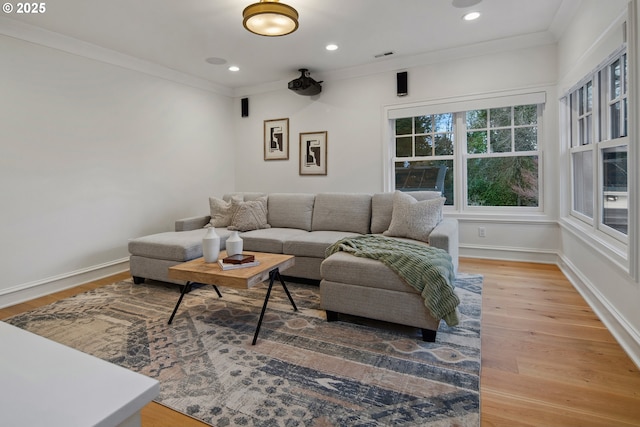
x,y
270,18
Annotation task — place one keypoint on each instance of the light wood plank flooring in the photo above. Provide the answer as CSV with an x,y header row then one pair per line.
x,y
546,358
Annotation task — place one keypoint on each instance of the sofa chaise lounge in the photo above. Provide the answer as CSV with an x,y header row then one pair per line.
x,y
305,225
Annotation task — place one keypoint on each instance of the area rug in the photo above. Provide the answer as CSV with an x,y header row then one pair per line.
x,y
303,371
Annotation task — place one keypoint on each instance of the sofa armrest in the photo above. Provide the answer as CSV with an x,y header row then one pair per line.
x,y
445,236
192,223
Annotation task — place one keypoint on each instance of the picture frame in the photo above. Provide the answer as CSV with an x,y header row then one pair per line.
x,y
313,153
276,139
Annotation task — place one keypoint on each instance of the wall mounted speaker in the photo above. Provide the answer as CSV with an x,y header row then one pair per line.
x,y
244,103
402,87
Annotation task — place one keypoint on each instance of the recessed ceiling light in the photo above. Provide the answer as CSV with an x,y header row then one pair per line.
x,y
234,68
332,47
471,16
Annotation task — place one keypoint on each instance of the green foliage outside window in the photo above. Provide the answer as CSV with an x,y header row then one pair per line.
x,y
505,180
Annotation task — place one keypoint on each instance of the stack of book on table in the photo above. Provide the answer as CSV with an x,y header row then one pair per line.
x,y
238,261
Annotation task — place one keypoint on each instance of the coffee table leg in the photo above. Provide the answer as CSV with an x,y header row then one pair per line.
x,y
273,274
184,291
186,288
217,291
286,291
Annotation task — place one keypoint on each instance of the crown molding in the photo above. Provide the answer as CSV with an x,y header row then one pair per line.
x,y
53,40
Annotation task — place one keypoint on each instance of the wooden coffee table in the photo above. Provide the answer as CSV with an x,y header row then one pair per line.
x,y
198,271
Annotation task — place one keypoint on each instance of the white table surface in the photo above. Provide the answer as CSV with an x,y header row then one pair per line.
x,y
43,383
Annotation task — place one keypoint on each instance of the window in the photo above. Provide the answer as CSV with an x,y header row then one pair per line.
x,y
582,152
599,146
502,156
614,188
497,147
424,147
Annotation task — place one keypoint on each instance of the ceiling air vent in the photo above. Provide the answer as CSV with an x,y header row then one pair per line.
x,y
382,55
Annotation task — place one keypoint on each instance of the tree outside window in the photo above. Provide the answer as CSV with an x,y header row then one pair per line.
x,y
502,156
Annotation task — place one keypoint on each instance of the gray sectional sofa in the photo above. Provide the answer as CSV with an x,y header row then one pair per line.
x,y
305,225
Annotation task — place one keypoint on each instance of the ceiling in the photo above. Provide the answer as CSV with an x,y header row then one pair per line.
x,y
182,34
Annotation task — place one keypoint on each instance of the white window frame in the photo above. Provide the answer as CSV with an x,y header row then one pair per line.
x,y
431,158
512,153
600,140
461,105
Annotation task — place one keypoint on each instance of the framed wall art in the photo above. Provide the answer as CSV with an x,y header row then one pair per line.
x,y
313,153
276,139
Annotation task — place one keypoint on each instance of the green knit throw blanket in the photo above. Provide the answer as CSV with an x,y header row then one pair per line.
x,y
429,270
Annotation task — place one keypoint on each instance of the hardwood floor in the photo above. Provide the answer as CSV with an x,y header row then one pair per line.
x,y
547,360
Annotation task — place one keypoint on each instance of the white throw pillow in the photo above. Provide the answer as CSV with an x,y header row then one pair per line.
x,y
251,215
222,211
413,219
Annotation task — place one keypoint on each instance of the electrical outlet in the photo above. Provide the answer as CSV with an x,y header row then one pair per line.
x,y
482,232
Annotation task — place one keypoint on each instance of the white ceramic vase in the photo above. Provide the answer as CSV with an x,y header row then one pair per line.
x,y
211,245
234,244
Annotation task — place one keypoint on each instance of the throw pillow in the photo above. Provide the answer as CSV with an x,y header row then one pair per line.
x,y
414,219
222,211
251,215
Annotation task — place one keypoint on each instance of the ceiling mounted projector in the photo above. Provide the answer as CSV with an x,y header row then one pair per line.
x,y
305,85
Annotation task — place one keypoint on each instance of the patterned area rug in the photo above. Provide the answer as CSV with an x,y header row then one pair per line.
x,y
303,371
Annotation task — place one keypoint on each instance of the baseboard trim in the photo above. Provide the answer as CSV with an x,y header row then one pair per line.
x,y
31,290
508,254
625,334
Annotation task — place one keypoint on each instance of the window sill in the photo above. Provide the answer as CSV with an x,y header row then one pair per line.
x,y
509,217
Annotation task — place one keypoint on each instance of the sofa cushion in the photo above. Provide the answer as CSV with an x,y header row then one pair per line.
x,y
222,211
414,219
342,212
178,246
382,207
288,210
269,240
342,267
315,243
250,215
174,246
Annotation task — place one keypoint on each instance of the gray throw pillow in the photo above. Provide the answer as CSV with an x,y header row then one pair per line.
x,y
414,219
251,215
222,211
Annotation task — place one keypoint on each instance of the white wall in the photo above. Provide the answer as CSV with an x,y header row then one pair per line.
x,y
351,110
93,154
598,272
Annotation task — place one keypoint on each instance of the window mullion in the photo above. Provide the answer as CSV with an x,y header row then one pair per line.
x,y
460,159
